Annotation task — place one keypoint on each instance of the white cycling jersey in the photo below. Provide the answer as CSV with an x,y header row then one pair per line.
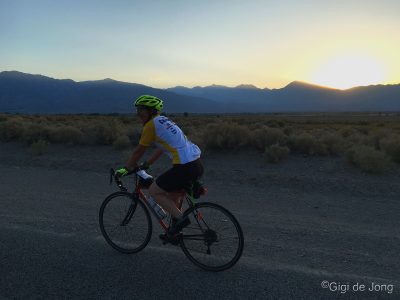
x,y
170,138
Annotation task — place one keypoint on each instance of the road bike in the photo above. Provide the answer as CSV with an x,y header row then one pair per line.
x,y
213,240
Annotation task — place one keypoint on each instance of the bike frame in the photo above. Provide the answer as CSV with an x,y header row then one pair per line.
x,y
142,196
138,193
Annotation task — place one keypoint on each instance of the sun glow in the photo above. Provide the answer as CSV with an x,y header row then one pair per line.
x,y
349,70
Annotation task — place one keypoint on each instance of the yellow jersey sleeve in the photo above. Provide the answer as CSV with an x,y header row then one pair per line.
x,y
148,134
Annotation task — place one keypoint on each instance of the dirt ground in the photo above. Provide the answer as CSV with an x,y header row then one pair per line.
x,y
305,220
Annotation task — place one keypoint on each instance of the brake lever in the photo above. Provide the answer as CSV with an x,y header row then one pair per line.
x,y
117,180
112,172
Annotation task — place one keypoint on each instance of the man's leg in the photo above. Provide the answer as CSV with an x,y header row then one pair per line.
x,y
163,198
178,198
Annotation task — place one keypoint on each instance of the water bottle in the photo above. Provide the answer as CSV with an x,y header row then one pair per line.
x,y
161,214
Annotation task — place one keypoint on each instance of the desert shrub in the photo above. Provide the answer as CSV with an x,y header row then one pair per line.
x,y
363,130
67,135
101,134
274,123
267,136
34,132
368,158
186,129
301,143
375,136
391,146
318,148
305,143
39,147
287,130
197,137
346,132
333,143
11,130
122,142
226,136
363,123
133,134
61,119
254,126
357,138
3,119
127,120
276,153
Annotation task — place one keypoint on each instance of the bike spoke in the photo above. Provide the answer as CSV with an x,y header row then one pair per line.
x,y
113,230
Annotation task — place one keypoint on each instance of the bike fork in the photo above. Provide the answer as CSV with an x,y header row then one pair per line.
x,y
129,214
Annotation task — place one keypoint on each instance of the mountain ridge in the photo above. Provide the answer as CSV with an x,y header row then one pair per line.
x,y
244,86
36,93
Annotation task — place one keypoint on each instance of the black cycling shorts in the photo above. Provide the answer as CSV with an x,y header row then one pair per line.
x,y
180,176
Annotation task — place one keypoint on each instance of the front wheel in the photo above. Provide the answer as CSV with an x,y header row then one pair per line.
x,y
125,222
214,240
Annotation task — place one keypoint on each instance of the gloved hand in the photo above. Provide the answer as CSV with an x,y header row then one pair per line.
x,y
144,165
122,172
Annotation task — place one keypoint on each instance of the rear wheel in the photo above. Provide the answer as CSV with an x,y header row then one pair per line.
x,y
214,240
125,222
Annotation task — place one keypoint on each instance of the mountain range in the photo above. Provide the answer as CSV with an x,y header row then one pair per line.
x,y
28,93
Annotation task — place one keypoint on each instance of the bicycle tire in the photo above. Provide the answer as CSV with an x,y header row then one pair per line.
x,y
127,216
188,238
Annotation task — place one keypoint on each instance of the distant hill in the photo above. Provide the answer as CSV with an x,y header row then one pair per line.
x,y
27,93
237,99
299,97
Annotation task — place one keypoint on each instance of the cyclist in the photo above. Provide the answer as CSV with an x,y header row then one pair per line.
x,y
169,139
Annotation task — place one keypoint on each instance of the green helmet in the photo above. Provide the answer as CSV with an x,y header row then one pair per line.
x,y
149,101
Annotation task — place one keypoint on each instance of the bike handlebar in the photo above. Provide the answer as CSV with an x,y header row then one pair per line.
x,y
117,179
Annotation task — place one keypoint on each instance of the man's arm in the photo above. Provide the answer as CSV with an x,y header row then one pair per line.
x,y
135,157
155,156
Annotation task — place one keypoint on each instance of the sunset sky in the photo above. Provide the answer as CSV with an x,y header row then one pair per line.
x,y
167,43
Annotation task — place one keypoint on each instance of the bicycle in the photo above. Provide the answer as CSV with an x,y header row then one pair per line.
x,y
212,226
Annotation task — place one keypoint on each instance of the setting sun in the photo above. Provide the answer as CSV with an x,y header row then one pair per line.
x,y
349,70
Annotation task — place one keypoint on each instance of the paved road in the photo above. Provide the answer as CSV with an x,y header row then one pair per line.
x,y
51,246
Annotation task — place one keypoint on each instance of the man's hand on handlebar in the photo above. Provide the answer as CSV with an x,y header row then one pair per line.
x,y
125,171
121,172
